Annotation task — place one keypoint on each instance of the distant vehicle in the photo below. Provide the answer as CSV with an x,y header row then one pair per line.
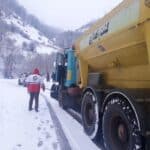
x,y
22,78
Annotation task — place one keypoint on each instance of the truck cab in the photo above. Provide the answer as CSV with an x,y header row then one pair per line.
x,y
65,72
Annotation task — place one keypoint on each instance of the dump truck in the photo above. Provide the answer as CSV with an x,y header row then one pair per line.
x,y
105,76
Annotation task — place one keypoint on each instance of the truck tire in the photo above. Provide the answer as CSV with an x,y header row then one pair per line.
x,y
121,126
90,114
62,95
54,91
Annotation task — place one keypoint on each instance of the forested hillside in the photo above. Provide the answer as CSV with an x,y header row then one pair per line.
x,y
10,6
23,42
26,42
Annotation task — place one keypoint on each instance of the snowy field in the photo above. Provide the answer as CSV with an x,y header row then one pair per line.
x,y
19,128
24,130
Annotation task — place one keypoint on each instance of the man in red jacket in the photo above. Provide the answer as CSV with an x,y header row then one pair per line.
x,y
34,83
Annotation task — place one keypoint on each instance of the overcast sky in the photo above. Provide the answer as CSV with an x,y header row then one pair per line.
x,y
68,14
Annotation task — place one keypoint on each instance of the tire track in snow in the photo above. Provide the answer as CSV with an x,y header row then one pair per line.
x,y
64,143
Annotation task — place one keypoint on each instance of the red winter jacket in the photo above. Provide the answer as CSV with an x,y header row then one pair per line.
x,y
34,82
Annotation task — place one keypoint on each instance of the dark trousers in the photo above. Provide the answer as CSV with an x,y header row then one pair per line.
x,y
32,97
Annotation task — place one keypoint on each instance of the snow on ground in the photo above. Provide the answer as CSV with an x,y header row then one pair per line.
x,y
31,34
45,50
29,30
19,128
73,130
24,130
18,39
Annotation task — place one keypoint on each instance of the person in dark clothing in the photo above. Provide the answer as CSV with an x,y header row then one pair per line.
x,y
34,83
32,97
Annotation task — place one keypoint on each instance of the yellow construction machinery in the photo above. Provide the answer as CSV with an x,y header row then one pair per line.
x,y
107,75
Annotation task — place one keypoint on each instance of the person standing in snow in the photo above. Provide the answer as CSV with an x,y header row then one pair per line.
x,y
34,83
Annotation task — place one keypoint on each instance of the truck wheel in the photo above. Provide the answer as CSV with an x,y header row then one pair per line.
x,y
62,98
90,114
54,91
121,127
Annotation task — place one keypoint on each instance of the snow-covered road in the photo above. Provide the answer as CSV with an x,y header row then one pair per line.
x,y
24,130
19,128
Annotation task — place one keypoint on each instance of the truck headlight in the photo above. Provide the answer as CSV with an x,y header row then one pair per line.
x,y
147,3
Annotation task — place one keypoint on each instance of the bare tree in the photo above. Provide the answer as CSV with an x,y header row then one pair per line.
x,y
42,61
8,53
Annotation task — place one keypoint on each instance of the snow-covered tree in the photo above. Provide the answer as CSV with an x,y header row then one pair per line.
x,y
8,53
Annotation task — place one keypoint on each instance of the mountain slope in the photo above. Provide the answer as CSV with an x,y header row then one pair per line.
x,y
25,36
